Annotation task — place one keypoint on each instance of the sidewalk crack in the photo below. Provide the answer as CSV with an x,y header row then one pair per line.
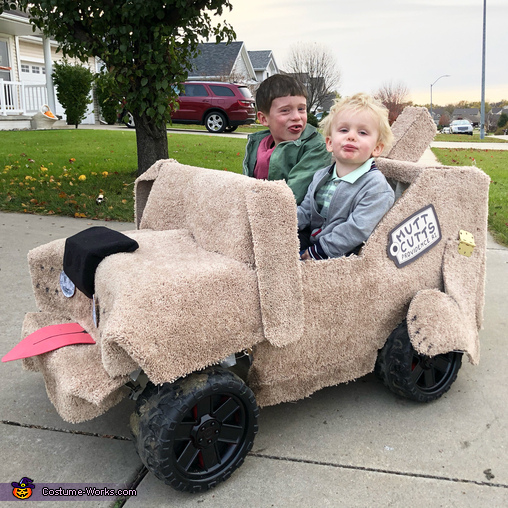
x,y
65,431
379,470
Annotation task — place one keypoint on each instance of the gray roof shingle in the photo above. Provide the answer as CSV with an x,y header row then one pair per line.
x,y
260,59
215,59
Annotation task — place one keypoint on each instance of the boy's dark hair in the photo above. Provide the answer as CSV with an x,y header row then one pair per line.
x,y
278,85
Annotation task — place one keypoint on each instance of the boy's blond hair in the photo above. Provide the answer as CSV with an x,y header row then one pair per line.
x,y
361,102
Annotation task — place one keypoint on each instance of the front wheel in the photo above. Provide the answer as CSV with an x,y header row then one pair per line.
x,y
412,375
216,122
195,432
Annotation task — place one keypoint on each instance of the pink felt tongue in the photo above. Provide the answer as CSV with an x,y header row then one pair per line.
x,y
47,339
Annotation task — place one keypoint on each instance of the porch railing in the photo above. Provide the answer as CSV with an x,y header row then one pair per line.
x,y
35,97
21,98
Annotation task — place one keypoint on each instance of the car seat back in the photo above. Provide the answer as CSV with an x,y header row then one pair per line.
x,y
208,203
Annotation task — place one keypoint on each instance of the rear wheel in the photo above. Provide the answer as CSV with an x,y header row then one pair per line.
x,y
216,122
412,375
195,432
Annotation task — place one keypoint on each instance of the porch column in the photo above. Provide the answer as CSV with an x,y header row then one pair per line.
x,y
49,71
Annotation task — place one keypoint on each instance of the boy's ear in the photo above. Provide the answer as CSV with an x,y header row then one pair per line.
x,y
378,150
328,141
263,119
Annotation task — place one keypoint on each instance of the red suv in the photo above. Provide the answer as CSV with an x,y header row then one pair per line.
x,y
218,106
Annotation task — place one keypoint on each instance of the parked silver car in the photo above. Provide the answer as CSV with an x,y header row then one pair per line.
x,y
461,127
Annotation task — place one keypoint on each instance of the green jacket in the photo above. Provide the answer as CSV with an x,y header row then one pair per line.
x,y
292,161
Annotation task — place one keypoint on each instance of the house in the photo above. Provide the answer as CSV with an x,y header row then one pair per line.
x,y
471,114
26,65
495,114
438,113
264,64
223,62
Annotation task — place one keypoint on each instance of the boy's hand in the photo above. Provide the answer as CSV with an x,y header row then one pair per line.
x,y
305,255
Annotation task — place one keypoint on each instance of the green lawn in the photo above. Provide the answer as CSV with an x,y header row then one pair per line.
x,y
495,164
63,172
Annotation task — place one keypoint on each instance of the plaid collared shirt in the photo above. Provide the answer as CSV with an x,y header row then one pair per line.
x,y
325,193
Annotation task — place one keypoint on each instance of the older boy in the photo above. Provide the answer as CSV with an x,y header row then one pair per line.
x,y
290,149
346,200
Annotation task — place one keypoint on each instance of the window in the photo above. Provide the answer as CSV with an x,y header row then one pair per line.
x,y
36,69
222,91
25,68
195,91
245,92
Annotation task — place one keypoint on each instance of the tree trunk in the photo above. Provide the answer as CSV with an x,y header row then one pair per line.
x,y
152,143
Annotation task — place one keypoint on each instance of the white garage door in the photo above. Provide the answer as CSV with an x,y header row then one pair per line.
x,y
33,73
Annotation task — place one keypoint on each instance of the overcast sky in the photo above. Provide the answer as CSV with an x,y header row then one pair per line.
x,y
381,41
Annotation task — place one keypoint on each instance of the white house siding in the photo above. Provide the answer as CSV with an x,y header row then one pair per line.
x,y
240,69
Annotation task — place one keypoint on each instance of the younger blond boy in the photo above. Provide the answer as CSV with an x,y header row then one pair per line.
x,y
346,200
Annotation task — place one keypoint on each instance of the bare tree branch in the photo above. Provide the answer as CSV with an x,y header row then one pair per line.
x,y
316,67
394,97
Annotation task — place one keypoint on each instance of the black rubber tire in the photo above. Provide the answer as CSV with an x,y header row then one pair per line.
x,y
193,433
412,375
231,128
216,122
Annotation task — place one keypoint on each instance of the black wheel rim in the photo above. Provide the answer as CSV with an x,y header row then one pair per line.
x,y
210,436
432,374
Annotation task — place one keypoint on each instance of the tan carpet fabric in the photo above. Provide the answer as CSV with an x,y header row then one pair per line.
x,y
278,266
217,271
413,132
77,384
